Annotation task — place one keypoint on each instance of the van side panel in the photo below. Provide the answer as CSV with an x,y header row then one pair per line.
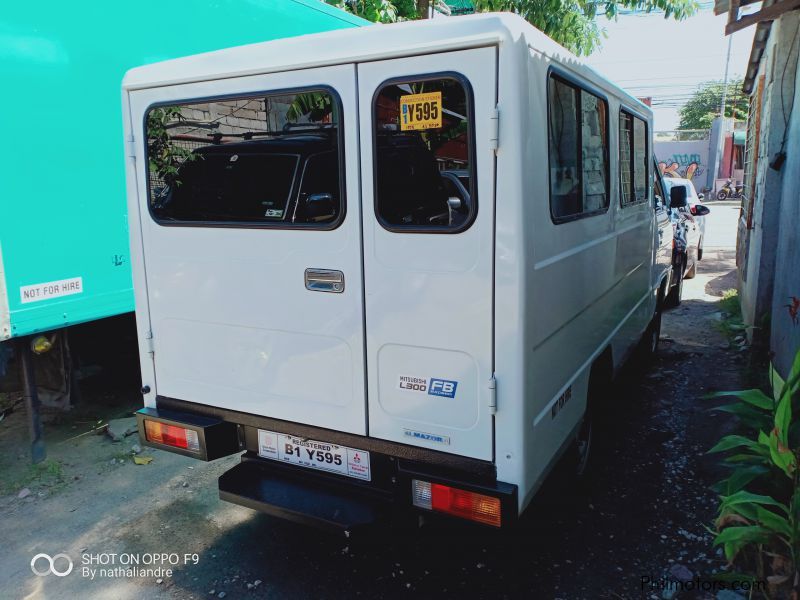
x,y
584,285
518,137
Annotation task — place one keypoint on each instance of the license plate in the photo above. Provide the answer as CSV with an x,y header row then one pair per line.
x,y
312,454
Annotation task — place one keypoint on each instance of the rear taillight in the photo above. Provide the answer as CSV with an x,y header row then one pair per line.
x,y
170,435
459,503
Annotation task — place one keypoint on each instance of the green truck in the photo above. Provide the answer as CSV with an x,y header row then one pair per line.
x,y
63,220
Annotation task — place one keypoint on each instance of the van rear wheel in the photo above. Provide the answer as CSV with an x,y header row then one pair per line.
x,y
580,450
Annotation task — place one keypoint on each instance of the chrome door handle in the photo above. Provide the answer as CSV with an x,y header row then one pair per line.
x,y
324,280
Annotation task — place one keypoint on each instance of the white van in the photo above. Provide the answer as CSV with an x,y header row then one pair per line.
x,y
393,266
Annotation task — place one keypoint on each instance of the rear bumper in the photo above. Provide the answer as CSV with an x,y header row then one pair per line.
x,y
328,500
300,496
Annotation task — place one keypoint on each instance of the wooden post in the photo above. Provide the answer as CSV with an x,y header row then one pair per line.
x,y
38,452
423,8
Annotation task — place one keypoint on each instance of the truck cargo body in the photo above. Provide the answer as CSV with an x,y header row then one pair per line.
x,y
64,255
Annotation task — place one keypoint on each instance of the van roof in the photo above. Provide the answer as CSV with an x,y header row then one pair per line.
x,y
362,44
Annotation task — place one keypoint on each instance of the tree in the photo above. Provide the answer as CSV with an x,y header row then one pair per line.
x,y
703,107
165,157
572,23
381,11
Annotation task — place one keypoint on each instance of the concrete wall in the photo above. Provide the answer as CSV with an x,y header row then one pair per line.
x,y
785,329
688,159
771,243
715,144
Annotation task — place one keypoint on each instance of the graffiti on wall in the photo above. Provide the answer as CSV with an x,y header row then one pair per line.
x,y
682,165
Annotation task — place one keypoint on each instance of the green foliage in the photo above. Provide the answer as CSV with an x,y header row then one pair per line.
x,y
315,105
573,24
164,157
731,325
379,11
703,107
766,522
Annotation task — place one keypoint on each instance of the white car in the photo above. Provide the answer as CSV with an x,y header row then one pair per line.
x,y
689,228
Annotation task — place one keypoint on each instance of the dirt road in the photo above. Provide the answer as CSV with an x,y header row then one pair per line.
x,y
643,512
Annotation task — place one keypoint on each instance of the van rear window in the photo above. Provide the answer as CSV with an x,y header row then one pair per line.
x,y
424,155
271,159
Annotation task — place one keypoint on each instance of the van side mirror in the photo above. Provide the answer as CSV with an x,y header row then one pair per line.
x,y
699,210
677,197
318,206
701,196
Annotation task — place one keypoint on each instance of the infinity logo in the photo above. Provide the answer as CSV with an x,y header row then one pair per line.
x,y
51,560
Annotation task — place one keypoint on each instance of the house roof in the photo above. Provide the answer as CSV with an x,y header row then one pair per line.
x,y
769,11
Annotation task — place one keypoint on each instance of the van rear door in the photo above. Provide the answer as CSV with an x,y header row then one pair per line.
x,y
428,208
252,244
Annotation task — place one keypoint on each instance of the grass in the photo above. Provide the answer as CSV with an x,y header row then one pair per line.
x,y
48,473
6,401
731,324
125,454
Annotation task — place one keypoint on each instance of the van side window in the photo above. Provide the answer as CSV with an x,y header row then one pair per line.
x,y
633,162
578,133
424,155
265,160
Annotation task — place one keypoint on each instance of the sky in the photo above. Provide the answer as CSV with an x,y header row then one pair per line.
x,y
666,59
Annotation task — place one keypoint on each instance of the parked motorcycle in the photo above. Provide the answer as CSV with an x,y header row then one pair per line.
x,y
726,191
